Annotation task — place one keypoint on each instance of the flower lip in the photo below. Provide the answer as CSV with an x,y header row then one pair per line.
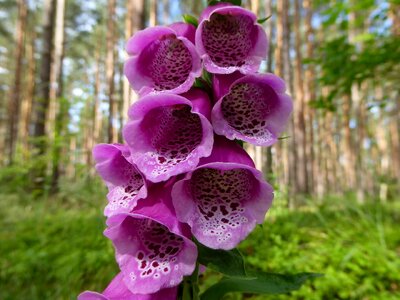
x,y
125,183
223,198
162,59
173,145
150,255
184,29
117,290
229,39
255,109
222,202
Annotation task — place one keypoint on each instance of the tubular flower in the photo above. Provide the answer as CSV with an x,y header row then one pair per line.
x,y
253,108
163,59
152,248
168,134
125,183
117,290
229,39
223,198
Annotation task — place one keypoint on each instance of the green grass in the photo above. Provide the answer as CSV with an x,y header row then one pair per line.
x,y
54,249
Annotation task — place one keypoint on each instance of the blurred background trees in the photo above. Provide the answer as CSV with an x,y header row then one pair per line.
x,y
337,167
63,90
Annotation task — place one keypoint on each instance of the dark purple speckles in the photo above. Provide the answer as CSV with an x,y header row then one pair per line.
x,y
177,134
227,39
220,197
122,196
159,250
246,108
171,63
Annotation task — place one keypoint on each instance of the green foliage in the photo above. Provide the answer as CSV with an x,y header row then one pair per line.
x,y
261,283
229,263
54,248
48,251
234,2
354,246
342,65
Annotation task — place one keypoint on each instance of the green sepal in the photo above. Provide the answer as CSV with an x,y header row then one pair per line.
x,y
240,143
263,20
284,137
189,19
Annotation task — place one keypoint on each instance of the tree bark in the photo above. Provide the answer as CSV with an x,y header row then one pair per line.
x,y
41,106
112,136
299,121
349,166
152,13
395,122
57,112
27,102
309,95
133,22
395,139
14,101
281,161
356,98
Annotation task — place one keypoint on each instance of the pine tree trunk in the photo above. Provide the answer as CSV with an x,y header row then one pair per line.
x,y
395,119
254,151
112,137
97,113
95,121
133,23
293,186
281,161
57,113
349,165
395,139
15,97
255,6
309,95
300,128
26,106
153,13
41,106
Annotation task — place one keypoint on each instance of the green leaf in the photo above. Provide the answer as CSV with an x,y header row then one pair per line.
x,y
189,19
234,2
229,263
261,21
212,2
262,283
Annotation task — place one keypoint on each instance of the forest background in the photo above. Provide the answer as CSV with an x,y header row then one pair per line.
x,y
336,170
